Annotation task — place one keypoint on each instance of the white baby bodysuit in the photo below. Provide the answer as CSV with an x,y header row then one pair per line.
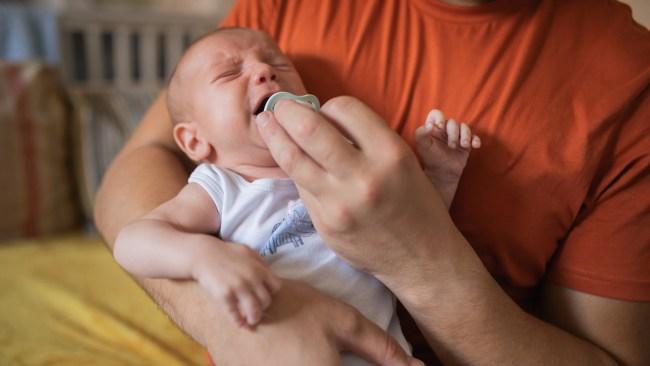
x,y
268,216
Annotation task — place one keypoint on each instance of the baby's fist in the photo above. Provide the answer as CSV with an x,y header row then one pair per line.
x,y
240,279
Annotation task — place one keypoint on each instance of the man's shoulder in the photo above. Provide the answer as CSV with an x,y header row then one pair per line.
x,y
600,42
608,28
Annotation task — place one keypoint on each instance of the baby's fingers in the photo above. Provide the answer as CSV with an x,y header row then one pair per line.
x,y
465,136
232,307
263,296
435,118
273,283
467,139
453,133
250,307
422,136
476,142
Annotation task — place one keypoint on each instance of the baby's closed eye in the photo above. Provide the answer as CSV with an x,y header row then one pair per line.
x,y
227,75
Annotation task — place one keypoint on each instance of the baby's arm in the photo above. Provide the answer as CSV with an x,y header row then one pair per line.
x,y
173,242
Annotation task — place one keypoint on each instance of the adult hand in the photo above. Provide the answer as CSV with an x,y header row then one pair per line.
x,y
369,200
373,205
304,327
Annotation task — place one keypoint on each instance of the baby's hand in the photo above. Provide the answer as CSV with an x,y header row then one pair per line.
x,y
238,277
444,146
447,131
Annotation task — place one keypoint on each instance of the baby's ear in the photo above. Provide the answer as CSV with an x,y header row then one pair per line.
x,y
188,138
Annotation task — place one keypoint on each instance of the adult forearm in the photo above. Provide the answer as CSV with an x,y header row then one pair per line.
x,y
136,182
468,319
193,310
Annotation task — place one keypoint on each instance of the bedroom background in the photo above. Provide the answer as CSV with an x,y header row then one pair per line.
x,y
75,78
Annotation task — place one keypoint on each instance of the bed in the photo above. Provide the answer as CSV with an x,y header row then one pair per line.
x,y
63,299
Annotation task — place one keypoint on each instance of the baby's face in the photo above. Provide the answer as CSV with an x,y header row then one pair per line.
x,y
228,77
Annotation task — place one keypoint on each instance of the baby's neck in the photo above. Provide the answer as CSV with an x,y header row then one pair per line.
x,y
252,173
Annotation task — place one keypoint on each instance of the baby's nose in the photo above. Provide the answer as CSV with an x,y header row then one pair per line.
x,y
265,74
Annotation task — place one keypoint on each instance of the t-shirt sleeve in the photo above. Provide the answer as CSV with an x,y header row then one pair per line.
x,y
607,252
209,179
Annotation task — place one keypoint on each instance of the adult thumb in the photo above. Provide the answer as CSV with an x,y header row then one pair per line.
x,y
369,341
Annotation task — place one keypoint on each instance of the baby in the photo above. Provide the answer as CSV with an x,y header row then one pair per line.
x,y
240,195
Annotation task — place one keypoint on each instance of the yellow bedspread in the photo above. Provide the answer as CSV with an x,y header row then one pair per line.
x,y
64,301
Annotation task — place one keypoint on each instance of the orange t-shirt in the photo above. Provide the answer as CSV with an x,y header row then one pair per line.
x,y
557,90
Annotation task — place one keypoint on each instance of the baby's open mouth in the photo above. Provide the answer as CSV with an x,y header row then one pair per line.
x,y
260,107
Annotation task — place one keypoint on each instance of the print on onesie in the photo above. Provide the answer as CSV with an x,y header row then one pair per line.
x,y
295,225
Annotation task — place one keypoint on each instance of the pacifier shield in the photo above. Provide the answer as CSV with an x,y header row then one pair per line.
x,y
307,99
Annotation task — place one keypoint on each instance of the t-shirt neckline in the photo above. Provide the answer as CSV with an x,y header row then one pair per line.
x,y
489,11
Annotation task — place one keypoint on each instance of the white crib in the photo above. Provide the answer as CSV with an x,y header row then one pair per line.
x,y
124,50
114,63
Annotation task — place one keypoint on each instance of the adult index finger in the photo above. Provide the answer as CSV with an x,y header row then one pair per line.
x,y
358,121
369,341
317,137
289,156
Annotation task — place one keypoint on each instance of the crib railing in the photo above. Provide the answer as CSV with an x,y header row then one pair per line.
x,y
127,51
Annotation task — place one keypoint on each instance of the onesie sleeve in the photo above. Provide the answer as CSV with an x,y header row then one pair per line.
x,y
607,252
208,177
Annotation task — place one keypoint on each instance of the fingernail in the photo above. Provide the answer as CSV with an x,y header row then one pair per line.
x,y
263,118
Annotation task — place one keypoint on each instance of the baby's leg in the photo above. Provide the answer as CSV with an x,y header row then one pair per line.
x,y
444,146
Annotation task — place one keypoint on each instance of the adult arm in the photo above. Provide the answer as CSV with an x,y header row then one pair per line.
x,y
374,207
150,170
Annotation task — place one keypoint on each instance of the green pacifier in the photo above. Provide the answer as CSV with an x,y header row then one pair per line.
x,y
307,99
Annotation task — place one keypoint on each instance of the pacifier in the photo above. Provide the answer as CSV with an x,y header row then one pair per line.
x,y
307,99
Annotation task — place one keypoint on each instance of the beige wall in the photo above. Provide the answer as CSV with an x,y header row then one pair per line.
x,y
206,8
640,11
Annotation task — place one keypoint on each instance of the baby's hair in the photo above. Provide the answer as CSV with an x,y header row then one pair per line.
x,y
175,110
